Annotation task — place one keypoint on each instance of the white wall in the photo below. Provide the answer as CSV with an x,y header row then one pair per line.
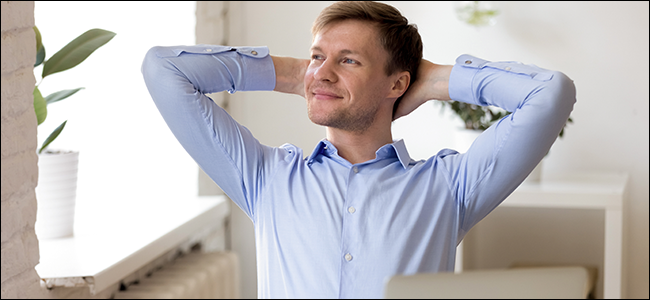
x,y
602,46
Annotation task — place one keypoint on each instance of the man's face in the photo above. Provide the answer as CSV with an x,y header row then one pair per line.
x,y
346,84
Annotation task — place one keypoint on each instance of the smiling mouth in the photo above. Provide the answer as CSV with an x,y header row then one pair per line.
x,y
325,95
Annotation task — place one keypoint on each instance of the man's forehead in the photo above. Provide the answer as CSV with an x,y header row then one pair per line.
x,y
346,37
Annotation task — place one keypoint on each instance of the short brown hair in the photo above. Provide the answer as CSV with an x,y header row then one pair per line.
x,y
399,38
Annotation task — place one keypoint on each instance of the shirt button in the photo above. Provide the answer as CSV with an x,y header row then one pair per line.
x,y
508,68
467,62
348,257
351,209
208,50
355,169
254,52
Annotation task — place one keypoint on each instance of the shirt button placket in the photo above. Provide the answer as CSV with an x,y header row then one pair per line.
x,y
348,257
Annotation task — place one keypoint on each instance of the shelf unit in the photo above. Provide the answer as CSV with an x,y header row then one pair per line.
x,y
599,191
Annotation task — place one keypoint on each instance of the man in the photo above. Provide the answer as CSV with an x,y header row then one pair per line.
x,y
338,222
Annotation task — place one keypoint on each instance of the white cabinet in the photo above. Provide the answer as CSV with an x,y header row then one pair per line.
x,y
595,191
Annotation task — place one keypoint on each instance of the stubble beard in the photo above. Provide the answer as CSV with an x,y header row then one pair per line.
x,y
357,121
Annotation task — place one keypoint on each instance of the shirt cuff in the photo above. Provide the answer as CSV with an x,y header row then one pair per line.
x,y
258,66
462,77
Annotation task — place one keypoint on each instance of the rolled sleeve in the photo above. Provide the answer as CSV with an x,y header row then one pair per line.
x,y
212,68
503,155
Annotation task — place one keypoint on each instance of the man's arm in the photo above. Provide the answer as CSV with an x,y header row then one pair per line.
x,y
432,84
178,79
290,74
503,155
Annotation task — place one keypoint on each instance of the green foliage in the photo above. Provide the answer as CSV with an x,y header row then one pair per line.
x,y
53,135
476,13
77,51
68,57
476,117
40,106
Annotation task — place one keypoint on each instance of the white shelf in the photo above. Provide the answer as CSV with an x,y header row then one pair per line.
x,y
600,191
114,240
574,190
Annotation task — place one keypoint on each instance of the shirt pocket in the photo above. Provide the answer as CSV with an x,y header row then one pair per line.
x,y
531,71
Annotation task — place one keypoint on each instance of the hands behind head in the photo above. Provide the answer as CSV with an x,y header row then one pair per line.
x,y
432,83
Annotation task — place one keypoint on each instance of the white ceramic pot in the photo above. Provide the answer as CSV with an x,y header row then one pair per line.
x,y
56,193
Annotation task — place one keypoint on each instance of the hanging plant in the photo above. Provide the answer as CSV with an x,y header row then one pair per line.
x,y
476,13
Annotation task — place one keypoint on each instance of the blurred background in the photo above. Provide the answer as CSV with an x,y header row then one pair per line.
x,y
126,148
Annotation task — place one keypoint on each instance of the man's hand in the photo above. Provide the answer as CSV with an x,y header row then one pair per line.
x,y
432,83
290,75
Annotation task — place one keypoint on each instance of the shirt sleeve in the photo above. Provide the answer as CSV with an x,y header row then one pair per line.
x,y
178,79
503,155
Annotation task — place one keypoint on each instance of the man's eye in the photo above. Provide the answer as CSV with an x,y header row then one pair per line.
x,y
349,61
316,57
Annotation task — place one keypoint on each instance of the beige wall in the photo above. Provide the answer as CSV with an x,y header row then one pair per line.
x,y
603,46
19,159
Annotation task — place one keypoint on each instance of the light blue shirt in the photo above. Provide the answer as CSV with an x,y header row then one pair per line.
x,y
325,228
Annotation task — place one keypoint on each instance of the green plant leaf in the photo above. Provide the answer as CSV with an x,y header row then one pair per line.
x,y
52,136
40,56
40,49
40,106
60,95
77,51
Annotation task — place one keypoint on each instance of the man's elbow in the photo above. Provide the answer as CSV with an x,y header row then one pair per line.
x,y
566,89
562,89
150,60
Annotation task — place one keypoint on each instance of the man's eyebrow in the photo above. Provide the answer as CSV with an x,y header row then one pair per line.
x,y
344,51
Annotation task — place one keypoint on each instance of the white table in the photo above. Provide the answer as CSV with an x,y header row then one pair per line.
x,y
601,191
113,240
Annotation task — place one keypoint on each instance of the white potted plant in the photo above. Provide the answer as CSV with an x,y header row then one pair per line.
x,y
57,175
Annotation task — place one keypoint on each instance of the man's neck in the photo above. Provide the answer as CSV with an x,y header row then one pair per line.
x,y
358,147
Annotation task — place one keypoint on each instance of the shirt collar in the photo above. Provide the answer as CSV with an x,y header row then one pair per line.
x,y
397,148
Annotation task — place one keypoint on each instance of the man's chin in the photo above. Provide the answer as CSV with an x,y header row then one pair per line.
x,y
318,120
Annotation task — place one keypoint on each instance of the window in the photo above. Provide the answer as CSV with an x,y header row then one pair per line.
x,y
126,150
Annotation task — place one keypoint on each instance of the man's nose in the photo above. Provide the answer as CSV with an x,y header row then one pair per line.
x,y
326,72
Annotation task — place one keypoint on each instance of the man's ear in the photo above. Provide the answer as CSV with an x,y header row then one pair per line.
x,y
400,85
